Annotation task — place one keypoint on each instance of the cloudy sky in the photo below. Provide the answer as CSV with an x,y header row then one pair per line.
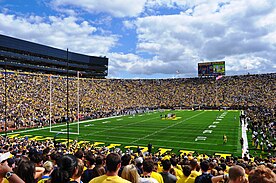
x,y
152,38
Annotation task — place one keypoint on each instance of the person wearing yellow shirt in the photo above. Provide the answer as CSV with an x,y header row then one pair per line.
x,y
156,175
113,164
194,165
177,169
186,178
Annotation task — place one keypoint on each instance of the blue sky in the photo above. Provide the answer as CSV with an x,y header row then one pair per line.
x,y
152,38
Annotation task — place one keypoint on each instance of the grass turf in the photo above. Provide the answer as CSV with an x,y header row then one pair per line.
x,y
200,131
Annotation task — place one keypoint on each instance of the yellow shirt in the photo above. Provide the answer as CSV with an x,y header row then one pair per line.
x,y
182,180
186,180
111,179
178,173
4,180
157,176
194,174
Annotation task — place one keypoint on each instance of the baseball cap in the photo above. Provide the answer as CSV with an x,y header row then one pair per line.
x,y
4,156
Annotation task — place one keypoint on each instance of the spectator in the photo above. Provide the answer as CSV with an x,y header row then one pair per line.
x,y
167,176
113,164
67,167
25,169
99,169
130,173
78,172
205,177
262,174
90,164
186,178
49,167
125,161
6,174
237,174
148,167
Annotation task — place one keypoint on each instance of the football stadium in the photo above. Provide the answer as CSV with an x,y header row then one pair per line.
x,y
59,107
137,91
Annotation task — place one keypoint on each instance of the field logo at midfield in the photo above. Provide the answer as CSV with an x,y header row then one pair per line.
x,y
200,138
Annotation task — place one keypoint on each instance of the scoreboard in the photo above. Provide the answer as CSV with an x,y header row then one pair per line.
x,y
211,68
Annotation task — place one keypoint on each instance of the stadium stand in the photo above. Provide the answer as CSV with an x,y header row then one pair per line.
x,y
28,96
28,106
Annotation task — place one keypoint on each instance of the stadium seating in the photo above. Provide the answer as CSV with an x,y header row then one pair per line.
x,y
28,104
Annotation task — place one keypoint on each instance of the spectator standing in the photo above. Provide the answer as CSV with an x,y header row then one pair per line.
x,y
205,177
113,164
148,167
262,174
167,176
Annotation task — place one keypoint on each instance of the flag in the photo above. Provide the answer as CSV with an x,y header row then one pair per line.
x,y
218,77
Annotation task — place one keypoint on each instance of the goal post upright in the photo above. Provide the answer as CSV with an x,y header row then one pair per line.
x,y
50,78
67,124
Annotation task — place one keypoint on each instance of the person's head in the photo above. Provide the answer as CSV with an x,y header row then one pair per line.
x,y
113,162
204,165
223,166
173,161
130,173
99,160
148,166
25,169
11,162
262,174
98,171
79,169
90,159
49,167
166,165
236,174
186,170
67,167
193,164
36,158
139,161
55,157
79,154
126,159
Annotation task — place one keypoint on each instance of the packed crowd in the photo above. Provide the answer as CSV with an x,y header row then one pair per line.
x,y
28,100
41,162
29,95
262,125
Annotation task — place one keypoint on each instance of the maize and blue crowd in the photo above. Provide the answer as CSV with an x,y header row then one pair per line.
x,y
25,103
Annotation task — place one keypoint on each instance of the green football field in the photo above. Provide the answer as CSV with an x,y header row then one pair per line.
x,y
200,131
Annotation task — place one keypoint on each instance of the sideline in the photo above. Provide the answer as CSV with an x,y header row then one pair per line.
x,y
244,136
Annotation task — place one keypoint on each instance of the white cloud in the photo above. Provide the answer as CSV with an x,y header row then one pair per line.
x,y
216,30
241,32
131,65
67,32
129,24
117,8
